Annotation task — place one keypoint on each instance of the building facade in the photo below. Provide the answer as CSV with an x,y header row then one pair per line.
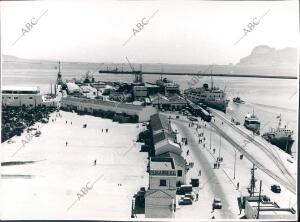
x,y
25,96
92,105
160,198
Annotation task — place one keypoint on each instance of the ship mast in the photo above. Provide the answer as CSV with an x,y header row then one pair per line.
x,y
211,81
279,123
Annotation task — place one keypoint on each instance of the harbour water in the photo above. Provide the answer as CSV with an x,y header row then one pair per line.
x,y
267,97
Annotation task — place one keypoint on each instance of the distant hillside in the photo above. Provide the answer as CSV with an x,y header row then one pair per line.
x,y
263,60
265,56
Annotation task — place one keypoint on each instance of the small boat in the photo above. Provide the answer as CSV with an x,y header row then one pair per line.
x,y
238,100
252,123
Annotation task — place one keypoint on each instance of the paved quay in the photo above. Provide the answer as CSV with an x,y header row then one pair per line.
x,y
58,181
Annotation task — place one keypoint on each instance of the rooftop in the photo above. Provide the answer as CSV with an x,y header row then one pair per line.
x,y
20,88
161,163
179,160
101,102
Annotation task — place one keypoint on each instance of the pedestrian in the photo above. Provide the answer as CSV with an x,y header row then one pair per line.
x,y
199,174
222,123
204,145
197,196
106,130
237,185
95,162
214,150
187,152
213,217
102,130
66,143
213,208
199,141
71,122
66,121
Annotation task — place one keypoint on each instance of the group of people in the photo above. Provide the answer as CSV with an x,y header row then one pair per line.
x,y
106,130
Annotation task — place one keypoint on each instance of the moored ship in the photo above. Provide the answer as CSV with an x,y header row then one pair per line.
x,y
212,97
252,123
280,137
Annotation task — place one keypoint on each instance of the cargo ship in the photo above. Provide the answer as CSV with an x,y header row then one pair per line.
x,y
252,123
212,97
280,137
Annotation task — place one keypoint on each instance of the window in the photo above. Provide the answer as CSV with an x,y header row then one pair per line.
x,y
179,173
162,183
15,97
30,97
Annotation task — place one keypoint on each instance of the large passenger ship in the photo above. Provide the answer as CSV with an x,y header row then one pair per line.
x,y
212,97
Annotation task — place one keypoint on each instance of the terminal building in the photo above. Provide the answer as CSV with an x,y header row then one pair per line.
x,y
25,96
93,105
174,102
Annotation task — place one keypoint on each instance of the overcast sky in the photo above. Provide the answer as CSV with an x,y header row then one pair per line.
x,y
185,32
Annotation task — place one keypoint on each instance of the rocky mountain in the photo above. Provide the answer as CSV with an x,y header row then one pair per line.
x,y
264,56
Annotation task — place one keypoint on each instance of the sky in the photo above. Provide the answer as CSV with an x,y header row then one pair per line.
x,y
179,32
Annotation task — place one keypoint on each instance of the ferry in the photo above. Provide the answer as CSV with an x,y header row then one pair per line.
x,y
212,97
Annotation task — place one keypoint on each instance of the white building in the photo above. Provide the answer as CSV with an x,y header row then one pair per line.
x,y
24,96
164,138
267,210
91,105
160,198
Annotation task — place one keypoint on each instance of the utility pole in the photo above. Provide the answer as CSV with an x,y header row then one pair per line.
x,y
210,138
252,185
258,207
219,153
234,164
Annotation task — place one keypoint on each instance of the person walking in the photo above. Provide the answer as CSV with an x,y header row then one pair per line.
x,y
197,196
238,185
199,174
95,162
66,143
66,121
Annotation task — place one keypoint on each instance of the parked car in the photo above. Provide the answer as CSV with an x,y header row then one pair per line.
x,y
276,188
185,201
189,195
217,204
184,189
195,182
192,119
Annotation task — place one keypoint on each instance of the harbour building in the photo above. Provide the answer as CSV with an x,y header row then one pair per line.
x,y
160,198
94,105
25,96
